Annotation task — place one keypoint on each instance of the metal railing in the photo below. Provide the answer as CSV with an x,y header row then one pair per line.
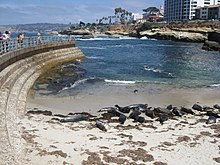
x,y
14,44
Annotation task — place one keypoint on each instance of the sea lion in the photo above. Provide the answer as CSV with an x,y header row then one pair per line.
x,y
75,118
197,107
211,120
126,109
102,125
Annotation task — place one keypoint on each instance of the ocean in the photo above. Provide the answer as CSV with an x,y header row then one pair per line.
x,y
128,71
132,62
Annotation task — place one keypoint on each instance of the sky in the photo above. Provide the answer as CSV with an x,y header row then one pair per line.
x,y
66,11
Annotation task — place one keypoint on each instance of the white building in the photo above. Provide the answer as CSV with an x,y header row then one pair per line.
x,y
137,17
183,10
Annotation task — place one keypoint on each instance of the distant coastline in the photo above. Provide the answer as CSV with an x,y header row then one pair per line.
x,y
201,32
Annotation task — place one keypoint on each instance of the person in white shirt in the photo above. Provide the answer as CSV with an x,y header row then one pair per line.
x,y
6,38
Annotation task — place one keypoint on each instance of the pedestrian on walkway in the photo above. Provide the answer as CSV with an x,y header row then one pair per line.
x,y
6,39
39,38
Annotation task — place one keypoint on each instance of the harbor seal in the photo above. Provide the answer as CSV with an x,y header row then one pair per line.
x,y
141,107
177,112
197,107
75,118
163,118
126,109
187,110
149,113
211,120
102,125
135,113
216,106
122,118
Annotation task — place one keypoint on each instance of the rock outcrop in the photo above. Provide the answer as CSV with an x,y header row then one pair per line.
x,y
175,35
211,45
213,42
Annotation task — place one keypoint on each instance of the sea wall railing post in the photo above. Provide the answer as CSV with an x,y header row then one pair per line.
x,y
14,44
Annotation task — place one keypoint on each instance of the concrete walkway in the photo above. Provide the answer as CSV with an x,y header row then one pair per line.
x,y
15,82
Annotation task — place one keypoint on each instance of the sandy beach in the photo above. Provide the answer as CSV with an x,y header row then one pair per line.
x,y
180,140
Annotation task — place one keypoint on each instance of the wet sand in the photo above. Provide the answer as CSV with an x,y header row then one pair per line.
x,y
92,99
186,140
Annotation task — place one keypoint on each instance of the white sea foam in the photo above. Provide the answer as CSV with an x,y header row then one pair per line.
x,y
94,57
77,83
119,81
144,38
87,47
100,39
152,69
215,85
127,38
155,70
107,38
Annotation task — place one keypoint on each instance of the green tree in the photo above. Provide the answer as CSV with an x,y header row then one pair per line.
x,y
151,10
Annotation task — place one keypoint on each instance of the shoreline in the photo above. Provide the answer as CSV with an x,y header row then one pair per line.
x,y
92,100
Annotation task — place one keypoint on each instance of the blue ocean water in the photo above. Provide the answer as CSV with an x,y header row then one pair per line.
x,y
132,60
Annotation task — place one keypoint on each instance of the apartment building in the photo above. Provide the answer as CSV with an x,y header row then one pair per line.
x,y
184,10
211,12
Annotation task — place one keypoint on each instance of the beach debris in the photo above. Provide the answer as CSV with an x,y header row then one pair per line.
x,y
38,112
102,125
197,107
75,118
211,120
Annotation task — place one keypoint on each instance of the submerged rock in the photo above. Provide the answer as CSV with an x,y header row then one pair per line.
x,y
211,45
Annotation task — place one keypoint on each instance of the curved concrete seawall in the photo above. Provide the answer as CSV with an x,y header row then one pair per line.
x,y
19,70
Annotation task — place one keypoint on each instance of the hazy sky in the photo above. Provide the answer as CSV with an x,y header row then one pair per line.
x,y
65,11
